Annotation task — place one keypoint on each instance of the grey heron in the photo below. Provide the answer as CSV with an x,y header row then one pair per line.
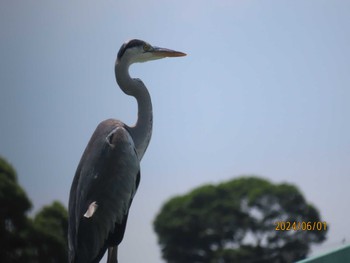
x,y
108,173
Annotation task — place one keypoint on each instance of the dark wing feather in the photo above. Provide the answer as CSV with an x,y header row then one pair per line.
x,y
107,174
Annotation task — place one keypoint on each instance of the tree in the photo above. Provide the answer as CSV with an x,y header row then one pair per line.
x,y
14,204
23,239
49,241
235,221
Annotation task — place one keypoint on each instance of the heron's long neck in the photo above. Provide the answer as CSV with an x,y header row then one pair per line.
x,y
142,131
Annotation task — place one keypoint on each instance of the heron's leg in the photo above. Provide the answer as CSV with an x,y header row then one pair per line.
x,y
112,255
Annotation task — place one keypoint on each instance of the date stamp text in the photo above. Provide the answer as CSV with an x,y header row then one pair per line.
x,y
300,226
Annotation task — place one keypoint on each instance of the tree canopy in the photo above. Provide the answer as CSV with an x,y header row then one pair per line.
x,y
42,239
14,204
49,241
236,221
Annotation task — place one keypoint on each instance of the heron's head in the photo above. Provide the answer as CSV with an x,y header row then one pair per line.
x,y
136,50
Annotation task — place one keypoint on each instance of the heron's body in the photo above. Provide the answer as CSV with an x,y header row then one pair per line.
x,y
108,174
111,182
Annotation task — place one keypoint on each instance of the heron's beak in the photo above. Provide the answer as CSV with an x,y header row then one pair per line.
x,y
164,52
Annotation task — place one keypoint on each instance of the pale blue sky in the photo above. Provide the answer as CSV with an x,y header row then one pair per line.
x,y
264,90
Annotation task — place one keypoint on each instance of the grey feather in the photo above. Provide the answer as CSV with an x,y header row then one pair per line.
x,y
110,181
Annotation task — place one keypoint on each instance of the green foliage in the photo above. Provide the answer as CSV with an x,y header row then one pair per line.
x,y
235,222
50,239
14,204
42,239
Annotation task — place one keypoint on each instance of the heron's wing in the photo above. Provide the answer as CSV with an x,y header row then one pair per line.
x,y
103,188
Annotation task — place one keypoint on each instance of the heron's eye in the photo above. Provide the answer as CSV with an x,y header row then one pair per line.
x,y
146,47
